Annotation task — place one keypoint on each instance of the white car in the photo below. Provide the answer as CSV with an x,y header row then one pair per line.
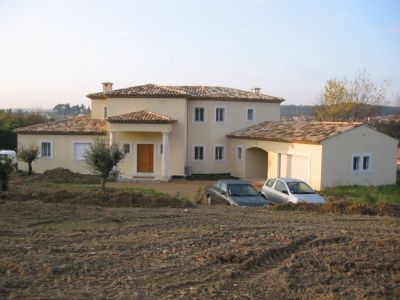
x,y
289,190
11,154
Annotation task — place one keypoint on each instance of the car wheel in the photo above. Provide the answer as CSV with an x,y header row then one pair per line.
x,y
209,201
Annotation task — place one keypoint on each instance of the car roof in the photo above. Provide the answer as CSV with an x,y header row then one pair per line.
x,y
287,179
233,181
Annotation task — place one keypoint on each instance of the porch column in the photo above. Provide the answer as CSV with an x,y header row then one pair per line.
x,y
164,156
112,138
278,164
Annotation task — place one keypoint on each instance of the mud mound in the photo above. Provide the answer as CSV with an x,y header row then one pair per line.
x,y
107,199
344,208
61,175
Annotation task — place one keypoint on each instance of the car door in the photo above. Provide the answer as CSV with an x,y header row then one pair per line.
x,y
267,189
281,192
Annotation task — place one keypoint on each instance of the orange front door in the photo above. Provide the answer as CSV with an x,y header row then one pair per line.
x,y
145,158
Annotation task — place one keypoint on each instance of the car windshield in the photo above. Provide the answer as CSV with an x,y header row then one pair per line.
x,y
300,188
241,190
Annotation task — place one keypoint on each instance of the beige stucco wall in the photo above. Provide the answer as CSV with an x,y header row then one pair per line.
x,y
98,109
211,133
312,152
337,158
173,108
62,152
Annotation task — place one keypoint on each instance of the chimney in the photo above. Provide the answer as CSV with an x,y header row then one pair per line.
x,y
107,86
256,90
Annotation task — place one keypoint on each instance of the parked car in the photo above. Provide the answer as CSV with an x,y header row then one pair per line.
x,y
234,192
11,154
289,190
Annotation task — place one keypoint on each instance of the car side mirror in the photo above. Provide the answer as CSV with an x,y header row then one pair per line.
x,y
285,192
223,193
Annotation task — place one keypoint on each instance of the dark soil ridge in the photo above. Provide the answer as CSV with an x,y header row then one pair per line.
x,y
390,210
104,199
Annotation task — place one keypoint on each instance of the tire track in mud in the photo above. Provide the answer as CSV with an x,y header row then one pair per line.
x,y
256,267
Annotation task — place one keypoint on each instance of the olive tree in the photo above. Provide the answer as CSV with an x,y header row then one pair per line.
x,y
28,155
103,159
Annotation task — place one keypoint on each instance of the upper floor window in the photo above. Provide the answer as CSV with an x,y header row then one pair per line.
x,y
219,153
46,149
199,115
220,114
361,162
251,114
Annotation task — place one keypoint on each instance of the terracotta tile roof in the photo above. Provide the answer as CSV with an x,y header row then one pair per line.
x,y
189,92
141,117
293,132
76,126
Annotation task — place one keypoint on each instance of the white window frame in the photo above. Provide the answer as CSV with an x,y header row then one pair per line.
x,y
223,152
73,148
130,147
204,153
361,169
247,113
225,114
194,114
237,152
51,149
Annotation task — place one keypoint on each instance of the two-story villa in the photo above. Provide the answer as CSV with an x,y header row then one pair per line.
x,y
170,131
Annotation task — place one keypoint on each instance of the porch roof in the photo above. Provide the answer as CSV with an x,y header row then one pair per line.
x,y
83,125
293,132
141,117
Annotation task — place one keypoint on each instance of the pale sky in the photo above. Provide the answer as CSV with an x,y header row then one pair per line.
x,y
59,51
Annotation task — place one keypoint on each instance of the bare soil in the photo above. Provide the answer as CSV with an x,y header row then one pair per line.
x,y
65,250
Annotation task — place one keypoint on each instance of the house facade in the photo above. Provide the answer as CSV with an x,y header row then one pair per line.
x,y
168,131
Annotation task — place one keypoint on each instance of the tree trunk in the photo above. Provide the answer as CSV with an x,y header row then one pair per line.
x,y
29,168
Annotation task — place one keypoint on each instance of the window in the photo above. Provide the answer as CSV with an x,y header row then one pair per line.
x,y
126,148
239,152
45,150
361,162
198,152
105,112
199,115
80,149
219,153
220,114
251,114
270,183
281,187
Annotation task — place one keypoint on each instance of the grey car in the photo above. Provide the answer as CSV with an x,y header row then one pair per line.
x,y
234,192
289,190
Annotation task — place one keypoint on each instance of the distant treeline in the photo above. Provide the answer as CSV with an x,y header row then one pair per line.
x,y
290,111
68,110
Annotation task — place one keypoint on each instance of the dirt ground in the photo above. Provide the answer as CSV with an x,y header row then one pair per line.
x,y
58,250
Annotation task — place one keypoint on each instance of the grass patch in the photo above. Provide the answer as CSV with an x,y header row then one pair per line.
x,y
389,194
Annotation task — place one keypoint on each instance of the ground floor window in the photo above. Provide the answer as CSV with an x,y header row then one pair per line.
x,y
80,149
219,153
239,152
198,152
361,162
45,149
126,148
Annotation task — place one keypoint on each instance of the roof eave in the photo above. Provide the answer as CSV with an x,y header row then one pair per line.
x,y
309,142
